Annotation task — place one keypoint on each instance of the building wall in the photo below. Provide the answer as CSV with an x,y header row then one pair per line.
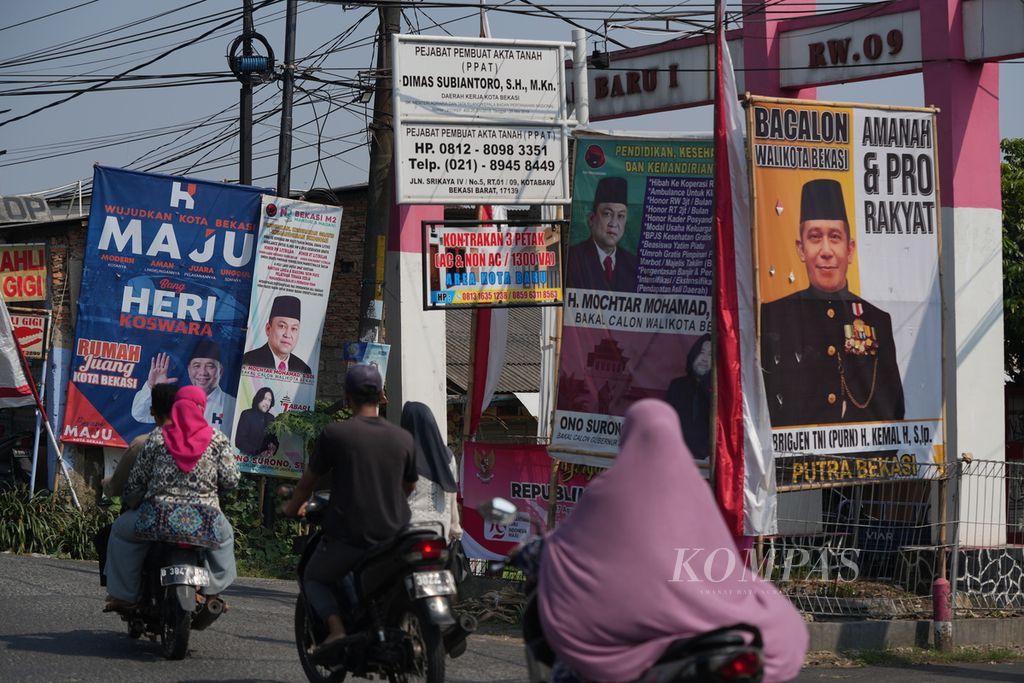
x,y
342,321
65,242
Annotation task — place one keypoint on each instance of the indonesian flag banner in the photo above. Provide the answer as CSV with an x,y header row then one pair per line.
x,y
489,343
744,467
14,387
491,328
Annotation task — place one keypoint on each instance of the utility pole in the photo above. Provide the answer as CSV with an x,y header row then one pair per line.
x,y
284,150
249,68
245,103
379,191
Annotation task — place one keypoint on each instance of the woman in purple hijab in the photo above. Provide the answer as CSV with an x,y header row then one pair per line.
x,y
646,559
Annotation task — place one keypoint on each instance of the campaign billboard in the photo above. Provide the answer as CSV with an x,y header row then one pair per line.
x,y
291,282
846,225
164,298
637,311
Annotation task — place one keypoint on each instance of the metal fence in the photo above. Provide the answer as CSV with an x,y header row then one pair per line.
x,y
988,552
874,549
857,549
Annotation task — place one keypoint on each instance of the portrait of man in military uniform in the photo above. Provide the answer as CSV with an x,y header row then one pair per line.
x,y
827,354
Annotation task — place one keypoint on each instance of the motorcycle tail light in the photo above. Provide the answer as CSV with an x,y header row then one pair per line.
x,y
425,549
741,666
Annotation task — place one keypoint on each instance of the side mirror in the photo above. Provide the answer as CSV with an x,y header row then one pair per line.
x,y
498,511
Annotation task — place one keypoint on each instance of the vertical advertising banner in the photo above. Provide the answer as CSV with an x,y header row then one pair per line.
x,y
291,283
164,298
847,232
520,473
637,312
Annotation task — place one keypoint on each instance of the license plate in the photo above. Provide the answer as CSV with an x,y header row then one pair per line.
x,y
429,584
184,574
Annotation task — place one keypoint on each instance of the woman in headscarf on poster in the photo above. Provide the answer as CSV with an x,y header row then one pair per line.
x,y
182,467
434,499
690,395
252,423
612,591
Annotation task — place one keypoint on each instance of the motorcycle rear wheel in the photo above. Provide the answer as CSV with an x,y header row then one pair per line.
x,y
429,644
175,627
305,642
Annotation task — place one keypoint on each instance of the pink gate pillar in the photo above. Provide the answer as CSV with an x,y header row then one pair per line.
x,y
761,24
969,167
417,364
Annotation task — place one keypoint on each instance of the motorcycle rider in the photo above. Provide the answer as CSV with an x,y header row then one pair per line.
x,y
163,401
373,470
182,466
652,518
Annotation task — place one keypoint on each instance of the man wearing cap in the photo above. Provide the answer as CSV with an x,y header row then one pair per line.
x,y
828,355
204,371
372,464
282,336
598,262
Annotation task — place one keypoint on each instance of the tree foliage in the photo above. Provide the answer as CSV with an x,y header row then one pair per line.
x,y
1013,257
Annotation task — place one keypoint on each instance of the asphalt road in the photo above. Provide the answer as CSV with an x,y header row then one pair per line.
x,y
52,629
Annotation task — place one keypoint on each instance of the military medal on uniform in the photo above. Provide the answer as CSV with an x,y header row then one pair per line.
x,y
860,340
860,337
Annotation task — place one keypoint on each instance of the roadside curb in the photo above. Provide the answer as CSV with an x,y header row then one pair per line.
x,y
846,636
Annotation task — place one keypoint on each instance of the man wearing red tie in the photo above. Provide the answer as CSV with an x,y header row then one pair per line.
x,y
282,336
598,262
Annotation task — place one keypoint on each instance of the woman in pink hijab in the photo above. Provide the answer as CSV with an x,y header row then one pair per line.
x,y
181,468
646,559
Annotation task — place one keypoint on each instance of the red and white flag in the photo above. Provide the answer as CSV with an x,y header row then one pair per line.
x,y
15,389
489,344
491,324
744,460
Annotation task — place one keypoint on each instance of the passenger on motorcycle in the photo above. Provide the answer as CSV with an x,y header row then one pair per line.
x,y
373,469
182,467
646,559
434,497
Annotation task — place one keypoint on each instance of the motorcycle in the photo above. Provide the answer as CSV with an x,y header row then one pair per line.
x,y
16,460
726,655
395,608
172,604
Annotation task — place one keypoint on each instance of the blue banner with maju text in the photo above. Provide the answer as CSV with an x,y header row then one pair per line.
x,y
164,299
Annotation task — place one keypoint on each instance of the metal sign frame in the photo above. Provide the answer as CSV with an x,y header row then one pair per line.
x,y
464,156
560,228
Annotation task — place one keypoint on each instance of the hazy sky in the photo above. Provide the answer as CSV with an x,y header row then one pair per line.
x,y
69,45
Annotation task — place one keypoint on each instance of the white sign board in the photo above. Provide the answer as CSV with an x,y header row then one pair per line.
x,y
851,50
470,78
481,164
480,121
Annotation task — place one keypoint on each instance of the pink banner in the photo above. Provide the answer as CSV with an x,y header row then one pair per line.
x,y
520,473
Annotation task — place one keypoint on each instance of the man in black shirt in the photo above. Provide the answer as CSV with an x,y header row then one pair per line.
x,y
373,470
